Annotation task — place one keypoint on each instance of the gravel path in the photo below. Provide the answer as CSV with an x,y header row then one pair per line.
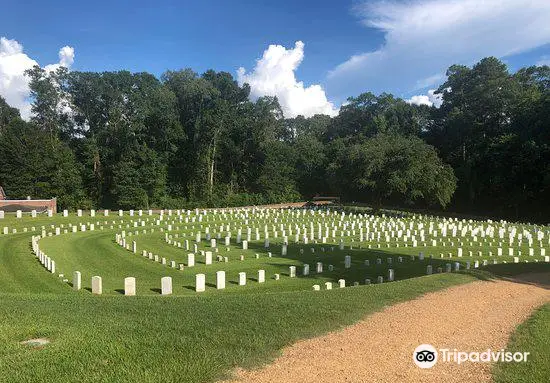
x,y
471,317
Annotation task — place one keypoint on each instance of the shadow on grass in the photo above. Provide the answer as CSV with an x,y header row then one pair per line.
x,y
536,274
156,290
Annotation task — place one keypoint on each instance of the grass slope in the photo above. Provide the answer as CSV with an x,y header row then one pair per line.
x,y
20,272
185,339
531,336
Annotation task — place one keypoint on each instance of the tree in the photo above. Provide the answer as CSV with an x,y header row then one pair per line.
x,y
29,167
50,107
309,148
395,168
7,114
368,115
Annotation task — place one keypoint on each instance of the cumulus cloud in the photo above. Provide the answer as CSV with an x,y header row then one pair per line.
x,y
422,38
430,99
66,59
14,85
274,75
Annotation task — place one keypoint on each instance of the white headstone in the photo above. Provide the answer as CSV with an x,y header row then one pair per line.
x,y
200,282
261,276
130,286
77,280
347,262
97,287
319,267
242,278
190,260
166,285
220,280
292,271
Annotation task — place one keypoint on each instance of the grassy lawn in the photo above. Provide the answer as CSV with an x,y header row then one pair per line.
x,y
186,338
531,336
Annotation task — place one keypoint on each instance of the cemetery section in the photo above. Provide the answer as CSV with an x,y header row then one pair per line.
x,y
232,285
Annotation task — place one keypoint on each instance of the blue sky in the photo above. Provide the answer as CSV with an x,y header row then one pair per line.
x,y
402,47
156,36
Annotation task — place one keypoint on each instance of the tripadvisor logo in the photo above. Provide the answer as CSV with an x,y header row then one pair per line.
x,y
426,356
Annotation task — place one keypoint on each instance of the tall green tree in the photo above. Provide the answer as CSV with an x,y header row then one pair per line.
x,y
394,168
29,167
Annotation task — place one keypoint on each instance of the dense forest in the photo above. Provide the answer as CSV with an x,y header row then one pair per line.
x,y
132,140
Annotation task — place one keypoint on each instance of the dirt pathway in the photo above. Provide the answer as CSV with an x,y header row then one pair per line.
x,y
471,317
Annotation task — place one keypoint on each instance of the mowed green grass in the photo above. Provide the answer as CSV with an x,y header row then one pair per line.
x,y
183,339
188,337
532,336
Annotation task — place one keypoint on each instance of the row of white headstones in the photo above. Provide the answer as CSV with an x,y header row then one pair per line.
x,y
92,213
200,282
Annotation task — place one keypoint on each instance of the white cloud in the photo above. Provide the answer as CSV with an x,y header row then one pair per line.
x,y
422,38
274,75
66,59
14,85
427,99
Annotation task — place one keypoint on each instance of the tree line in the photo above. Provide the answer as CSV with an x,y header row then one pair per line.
x,y
132,140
